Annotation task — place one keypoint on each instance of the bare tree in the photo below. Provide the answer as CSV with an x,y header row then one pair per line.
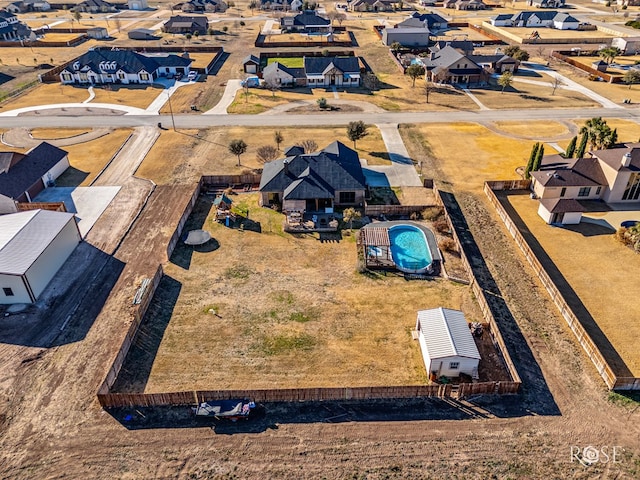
x,y
278,137
428,88
308,145
556,82
340,17
266,153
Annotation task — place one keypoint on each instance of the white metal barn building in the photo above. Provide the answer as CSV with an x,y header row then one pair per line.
x,y
33,246
448,348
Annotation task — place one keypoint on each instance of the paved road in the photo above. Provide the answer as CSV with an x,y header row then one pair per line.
x,y
204,121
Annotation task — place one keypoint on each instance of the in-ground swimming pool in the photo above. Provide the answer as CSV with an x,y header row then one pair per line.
x,y
409,248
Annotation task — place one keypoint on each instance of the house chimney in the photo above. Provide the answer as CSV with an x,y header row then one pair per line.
x,y
185,55
285,164
626,159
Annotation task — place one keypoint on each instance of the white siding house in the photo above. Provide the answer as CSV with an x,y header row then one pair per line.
x,y
33,246
448,348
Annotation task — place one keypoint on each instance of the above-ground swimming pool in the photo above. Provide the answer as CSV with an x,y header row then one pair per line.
x,y
409,248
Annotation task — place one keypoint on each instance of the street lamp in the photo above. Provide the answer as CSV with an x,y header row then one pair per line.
x,y
171,111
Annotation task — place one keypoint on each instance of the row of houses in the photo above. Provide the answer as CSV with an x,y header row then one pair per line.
x,y
537,19
562,185
124,67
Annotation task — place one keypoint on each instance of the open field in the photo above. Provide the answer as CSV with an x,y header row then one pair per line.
x,y
550,34
89,158
533,129
202,94
53,134
598,269
312,40
207,151
285,316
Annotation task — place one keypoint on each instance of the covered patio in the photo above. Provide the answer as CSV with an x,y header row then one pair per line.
x,y
376,247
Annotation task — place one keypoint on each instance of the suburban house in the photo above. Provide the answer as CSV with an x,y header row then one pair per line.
x,y
186,24
371,5
561,184
314,182
546,3
537,19
447,345
204,6
123,66
432,21
29,6
23,176
251,64
94,6
464,4
409,33
137,4
12,29
276,4
316,72
307,21
33,246
449,65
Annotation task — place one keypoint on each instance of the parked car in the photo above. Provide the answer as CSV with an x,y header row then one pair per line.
x,y
192,75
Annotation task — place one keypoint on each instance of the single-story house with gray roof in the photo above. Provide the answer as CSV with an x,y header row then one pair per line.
x,y
314,182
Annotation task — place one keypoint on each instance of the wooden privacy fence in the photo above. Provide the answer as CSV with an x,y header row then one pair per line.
x,y
52,206
487,388
480,295
394,209
109,400
183,219
585,68
248,179
589,346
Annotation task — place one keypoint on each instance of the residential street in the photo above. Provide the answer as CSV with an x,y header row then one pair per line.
x,y
50,120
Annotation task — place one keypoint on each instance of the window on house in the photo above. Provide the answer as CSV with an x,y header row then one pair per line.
x,y
347,197
598,190
632,192
121,75
8,291
563,191
144,76
67,77
454,365
584,191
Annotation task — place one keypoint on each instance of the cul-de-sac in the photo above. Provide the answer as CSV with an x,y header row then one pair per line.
x,y
269,239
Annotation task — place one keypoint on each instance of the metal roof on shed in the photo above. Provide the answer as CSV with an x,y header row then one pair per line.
x,y
25,235
446,333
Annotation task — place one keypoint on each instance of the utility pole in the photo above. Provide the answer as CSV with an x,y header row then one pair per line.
x,y
173,122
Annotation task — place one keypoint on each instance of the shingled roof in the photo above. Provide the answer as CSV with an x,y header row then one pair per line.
x,y
126,60
318,65
24,173
314,175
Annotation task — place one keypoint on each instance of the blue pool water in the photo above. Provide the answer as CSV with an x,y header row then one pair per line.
x,y
409,248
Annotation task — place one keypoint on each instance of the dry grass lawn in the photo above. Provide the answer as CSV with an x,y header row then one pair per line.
x,y
53,134
201,94
615,92
549,34
289,312
526,95
300,38
46,94
599,270
480,153
208,151
533,129
139,96
89,158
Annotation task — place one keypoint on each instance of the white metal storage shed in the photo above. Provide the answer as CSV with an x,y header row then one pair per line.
x,y
448,348
33,246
